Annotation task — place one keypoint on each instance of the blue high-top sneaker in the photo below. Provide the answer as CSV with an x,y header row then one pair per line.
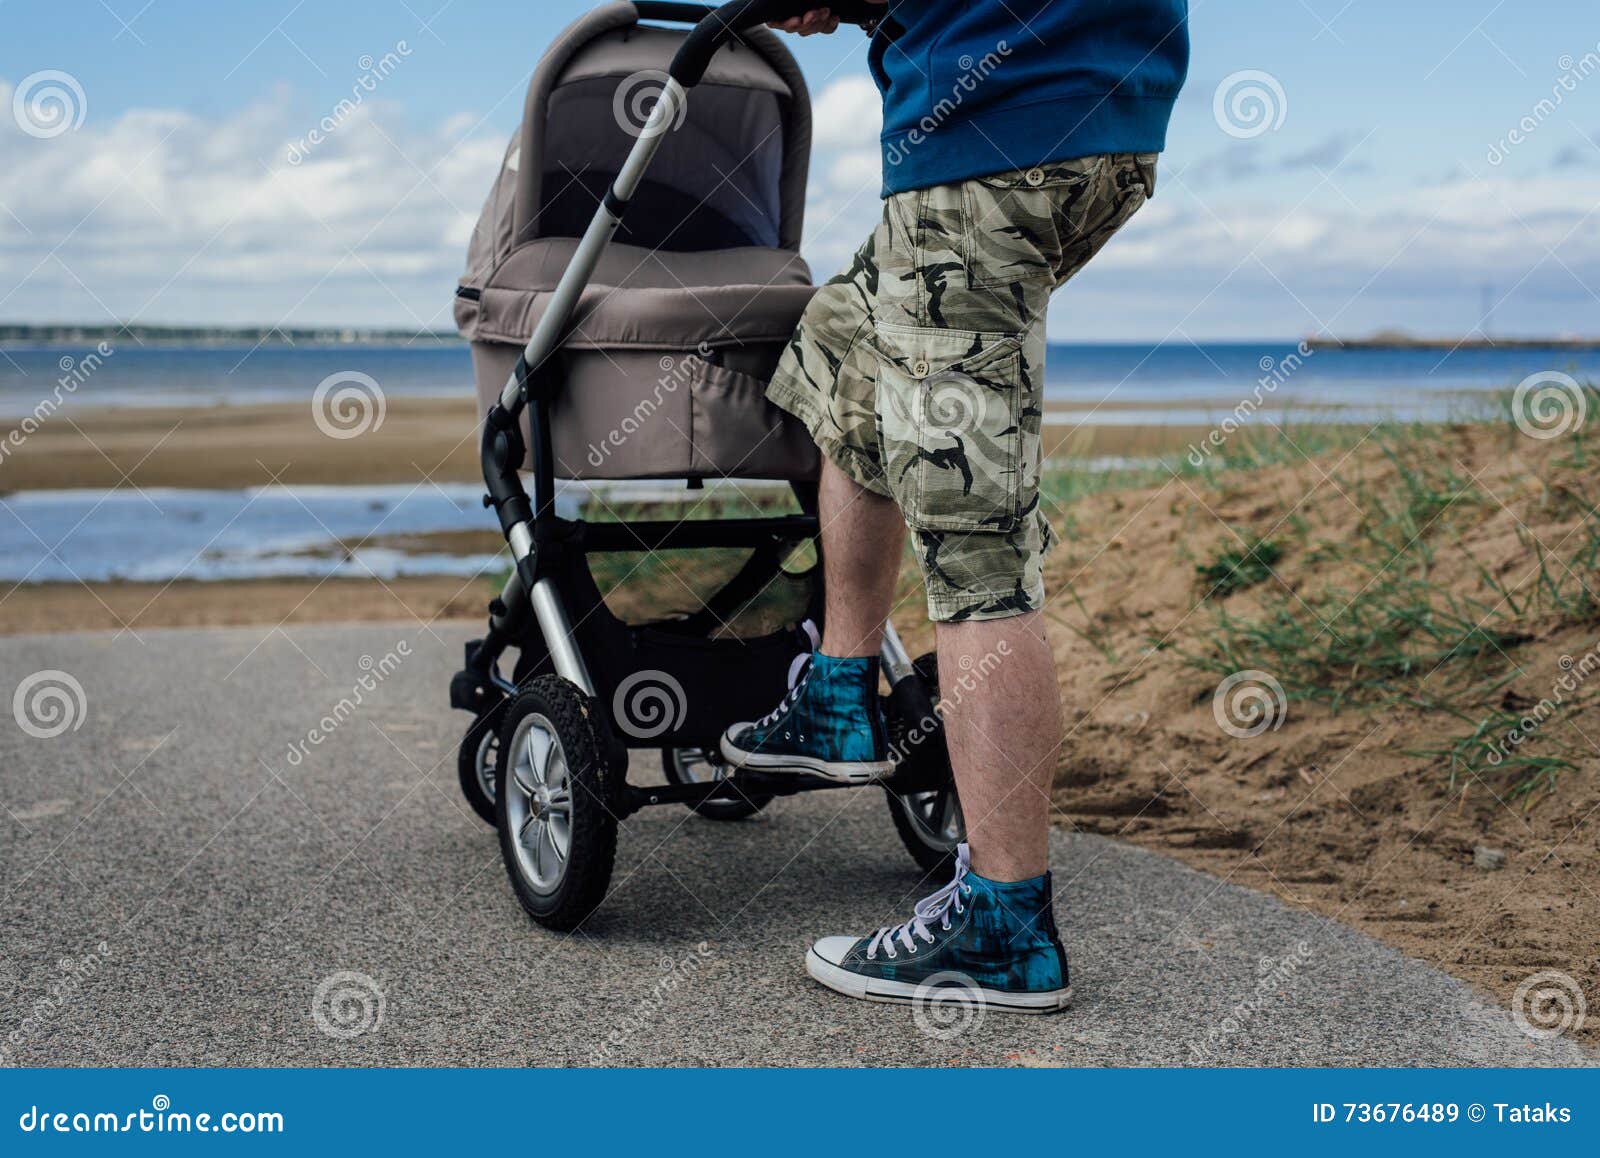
x,y
994,941
829,725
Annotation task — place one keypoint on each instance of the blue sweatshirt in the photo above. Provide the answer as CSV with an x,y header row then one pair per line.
x,y
973,87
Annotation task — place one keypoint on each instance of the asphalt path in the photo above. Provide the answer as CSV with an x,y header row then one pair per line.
x,y
189,878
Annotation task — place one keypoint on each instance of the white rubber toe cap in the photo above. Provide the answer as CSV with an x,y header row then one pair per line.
x,y
833,949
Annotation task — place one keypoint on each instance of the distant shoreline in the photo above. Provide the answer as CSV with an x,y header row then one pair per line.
x,y
1408,342
191,336
58,335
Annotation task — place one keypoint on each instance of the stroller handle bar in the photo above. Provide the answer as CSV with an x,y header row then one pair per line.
x,y
714,27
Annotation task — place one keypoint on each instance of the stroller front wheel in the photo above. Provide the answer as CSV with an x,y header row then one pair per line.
x,y
558,831
478,760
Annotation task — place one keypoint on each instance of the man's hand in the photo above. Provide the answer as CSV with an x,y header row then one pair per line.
x,y
817,20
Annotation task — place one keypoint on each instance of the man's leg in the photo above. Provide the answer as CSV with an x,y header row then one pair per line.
x,y
830,724
1004,735
965,272
863,535
990,933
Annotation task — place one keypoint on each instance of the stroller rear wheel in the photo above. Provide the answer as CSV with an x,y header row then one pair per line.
x,y
558,830
929,821
701,766
478,761
931,825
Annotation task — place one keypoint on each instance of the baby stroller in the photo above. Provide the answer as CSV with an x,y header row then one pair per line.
x,y
612,345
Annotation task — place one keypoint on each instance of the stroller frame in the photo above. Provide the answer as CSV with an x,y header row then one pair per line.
x,y
547,549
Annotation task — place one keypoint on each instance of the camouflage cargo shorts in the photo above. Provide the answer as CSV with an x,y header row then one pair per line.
x,y
919,369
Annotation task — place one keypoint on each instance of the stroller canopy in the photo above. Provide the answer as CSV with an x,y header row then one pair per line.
x,y
731,174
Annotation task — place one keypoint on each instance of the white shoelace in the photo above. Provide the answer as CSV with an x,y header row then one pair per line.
x,y
798,664
796,687
936,907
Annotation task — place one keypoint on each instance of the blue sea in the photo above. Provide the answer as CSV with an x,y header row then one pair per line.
x,y
157,375
1195,383
160,535
1192,378
164,534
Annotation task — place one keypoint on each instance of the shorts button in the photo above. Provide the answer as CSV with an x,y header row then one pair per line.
x,y
1034,177
919,369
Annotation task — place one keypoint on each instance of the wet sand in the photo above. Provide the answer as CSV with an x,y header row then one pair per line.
x,y
419,439
228,447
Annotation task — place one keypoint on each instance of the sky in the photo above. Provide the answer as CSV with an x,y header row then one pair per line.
x,y
1430,165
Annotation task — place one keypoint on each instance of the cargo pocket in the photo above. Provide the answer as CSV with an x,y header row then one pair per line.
x,y
1010,222
949,405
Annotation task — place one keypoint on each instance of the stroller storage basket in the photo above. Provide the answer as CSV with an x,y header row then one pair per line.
x,y
665,683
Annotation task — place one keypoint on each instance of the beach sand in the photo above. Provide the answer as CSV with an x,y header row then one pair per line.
x,y
228,447
243,446
1367,796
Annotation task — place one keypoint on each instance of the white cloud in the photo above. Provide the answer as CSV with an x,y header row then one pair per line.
x,y
160,215
854,169
847,113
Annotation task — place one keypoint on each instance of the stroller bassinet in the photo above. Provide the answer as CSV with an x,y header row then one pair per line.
x,y
668,352
625,311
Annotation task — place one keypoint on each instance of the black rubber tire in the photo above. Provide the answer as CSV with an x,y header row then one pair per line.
x,y
936,857
734,808
592,847
484,728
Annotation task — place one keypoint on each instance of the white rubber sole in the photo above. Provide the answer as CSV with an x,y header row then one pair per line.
x,y
842,980
840,772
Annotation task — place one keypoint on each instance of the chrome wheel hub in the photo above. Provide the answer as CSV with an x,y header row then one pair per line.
x,y
488,758
937,816
539,803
